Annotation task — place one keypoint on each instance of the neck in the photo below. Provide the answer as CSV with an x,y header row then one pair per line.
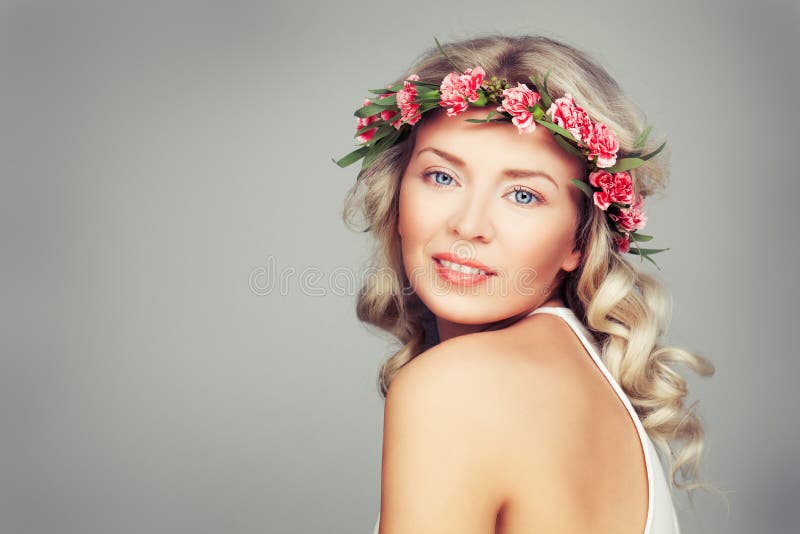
x,y
448,329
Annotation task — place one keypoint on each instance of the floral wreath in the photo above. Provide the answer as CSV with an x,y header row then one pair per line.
x,y
396,109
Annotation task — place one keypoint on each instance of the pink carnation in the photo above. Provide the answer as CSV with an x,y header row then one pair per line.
x,y
518,101
573,118
631,219
617,187
603,144
387,114
623,243
457,89
405,101
365,121
602,199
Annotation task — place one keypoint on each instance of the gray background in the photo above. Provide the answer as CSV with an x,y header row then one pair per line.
x,y
159,159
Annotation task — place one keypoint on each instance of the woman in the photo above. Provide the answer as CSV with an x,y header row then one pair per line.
x,y
503,180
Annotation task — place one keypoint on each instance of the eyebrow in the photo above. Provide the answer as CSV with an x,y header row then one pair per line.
x,y
511,173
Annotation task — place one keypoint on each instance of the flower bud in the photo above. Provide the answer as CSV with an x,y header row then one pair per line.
x,y
482,99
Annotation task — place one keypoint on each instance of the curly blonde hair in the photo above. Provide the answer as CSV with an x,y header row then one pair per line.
x,y
627,311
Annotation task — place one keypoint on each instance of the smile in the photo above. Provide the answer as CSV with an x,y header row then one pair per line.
x,y
460,268
458,274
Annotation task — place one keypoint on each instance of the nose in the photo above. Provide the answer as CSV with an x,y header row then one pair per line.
x,y
471,219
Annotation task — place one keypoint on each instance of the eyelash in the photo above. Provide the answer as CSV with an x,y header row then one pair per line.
x,y
516,189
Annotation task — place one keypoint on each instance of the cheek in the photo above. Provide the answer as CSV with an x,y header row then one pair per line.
x,y
415,220
540,244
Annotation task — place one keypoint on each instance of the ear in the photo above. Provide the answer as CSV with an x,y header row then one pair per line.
x,y
572,261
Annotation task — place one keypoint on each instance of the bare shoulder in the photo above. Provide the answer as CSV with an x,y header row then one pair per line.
x,y
500,377
464,381
497,398
484,374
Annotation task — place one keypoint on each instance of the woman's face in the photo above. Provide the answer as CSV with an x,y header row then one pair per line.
x,y
486,194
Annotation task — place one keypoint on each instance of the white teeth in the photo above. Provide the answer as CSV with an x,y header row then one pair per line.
x,y
461,268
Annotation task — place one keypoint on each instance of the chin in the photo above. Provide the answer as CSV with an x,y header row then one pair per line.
x,y
450,309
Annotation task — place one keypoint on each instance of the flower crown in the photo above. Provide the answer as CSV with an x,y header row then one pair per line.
x,y
380,124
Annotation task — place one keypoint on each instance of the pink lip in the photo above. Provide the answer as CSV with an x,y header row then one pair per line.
x,y
469,263
459,278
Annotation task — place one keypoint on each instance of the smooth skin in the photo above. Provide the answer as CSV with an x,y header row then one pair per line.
x,y
507,425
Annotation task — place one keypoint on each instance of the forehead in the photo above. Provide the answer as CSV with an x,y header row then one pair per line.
x,y
495,142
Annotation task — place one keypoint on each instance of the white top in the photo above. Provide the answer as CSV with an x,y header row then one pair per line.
x,y
661,516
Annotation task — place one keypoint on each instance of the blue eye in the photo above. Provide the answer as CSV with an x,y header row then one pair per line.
x,y
435,181
526,196
523,196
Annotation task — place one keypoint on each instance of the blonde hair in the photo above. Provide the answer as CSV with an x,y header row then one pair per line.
x,y
628,311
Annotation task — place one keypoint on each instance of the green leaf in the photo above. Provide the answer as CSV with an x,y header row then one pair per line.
x,y
428,107
375,124
388,101
642,137
366,128
352,157
625,164
654,152
644,254
647,251
372,126
487,119
421,84
640,237
556,128
382,132
428,94
648,258
382,91
583,186
386,140
426,101
368,111
569,147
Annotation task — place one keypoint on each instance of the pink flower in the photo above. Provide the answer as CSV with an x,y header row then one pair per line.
x,y
631,219
387,114
617,187
623,243
603,144
573,118
602,179
405,101
602,199
457,89
365,121
518,101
